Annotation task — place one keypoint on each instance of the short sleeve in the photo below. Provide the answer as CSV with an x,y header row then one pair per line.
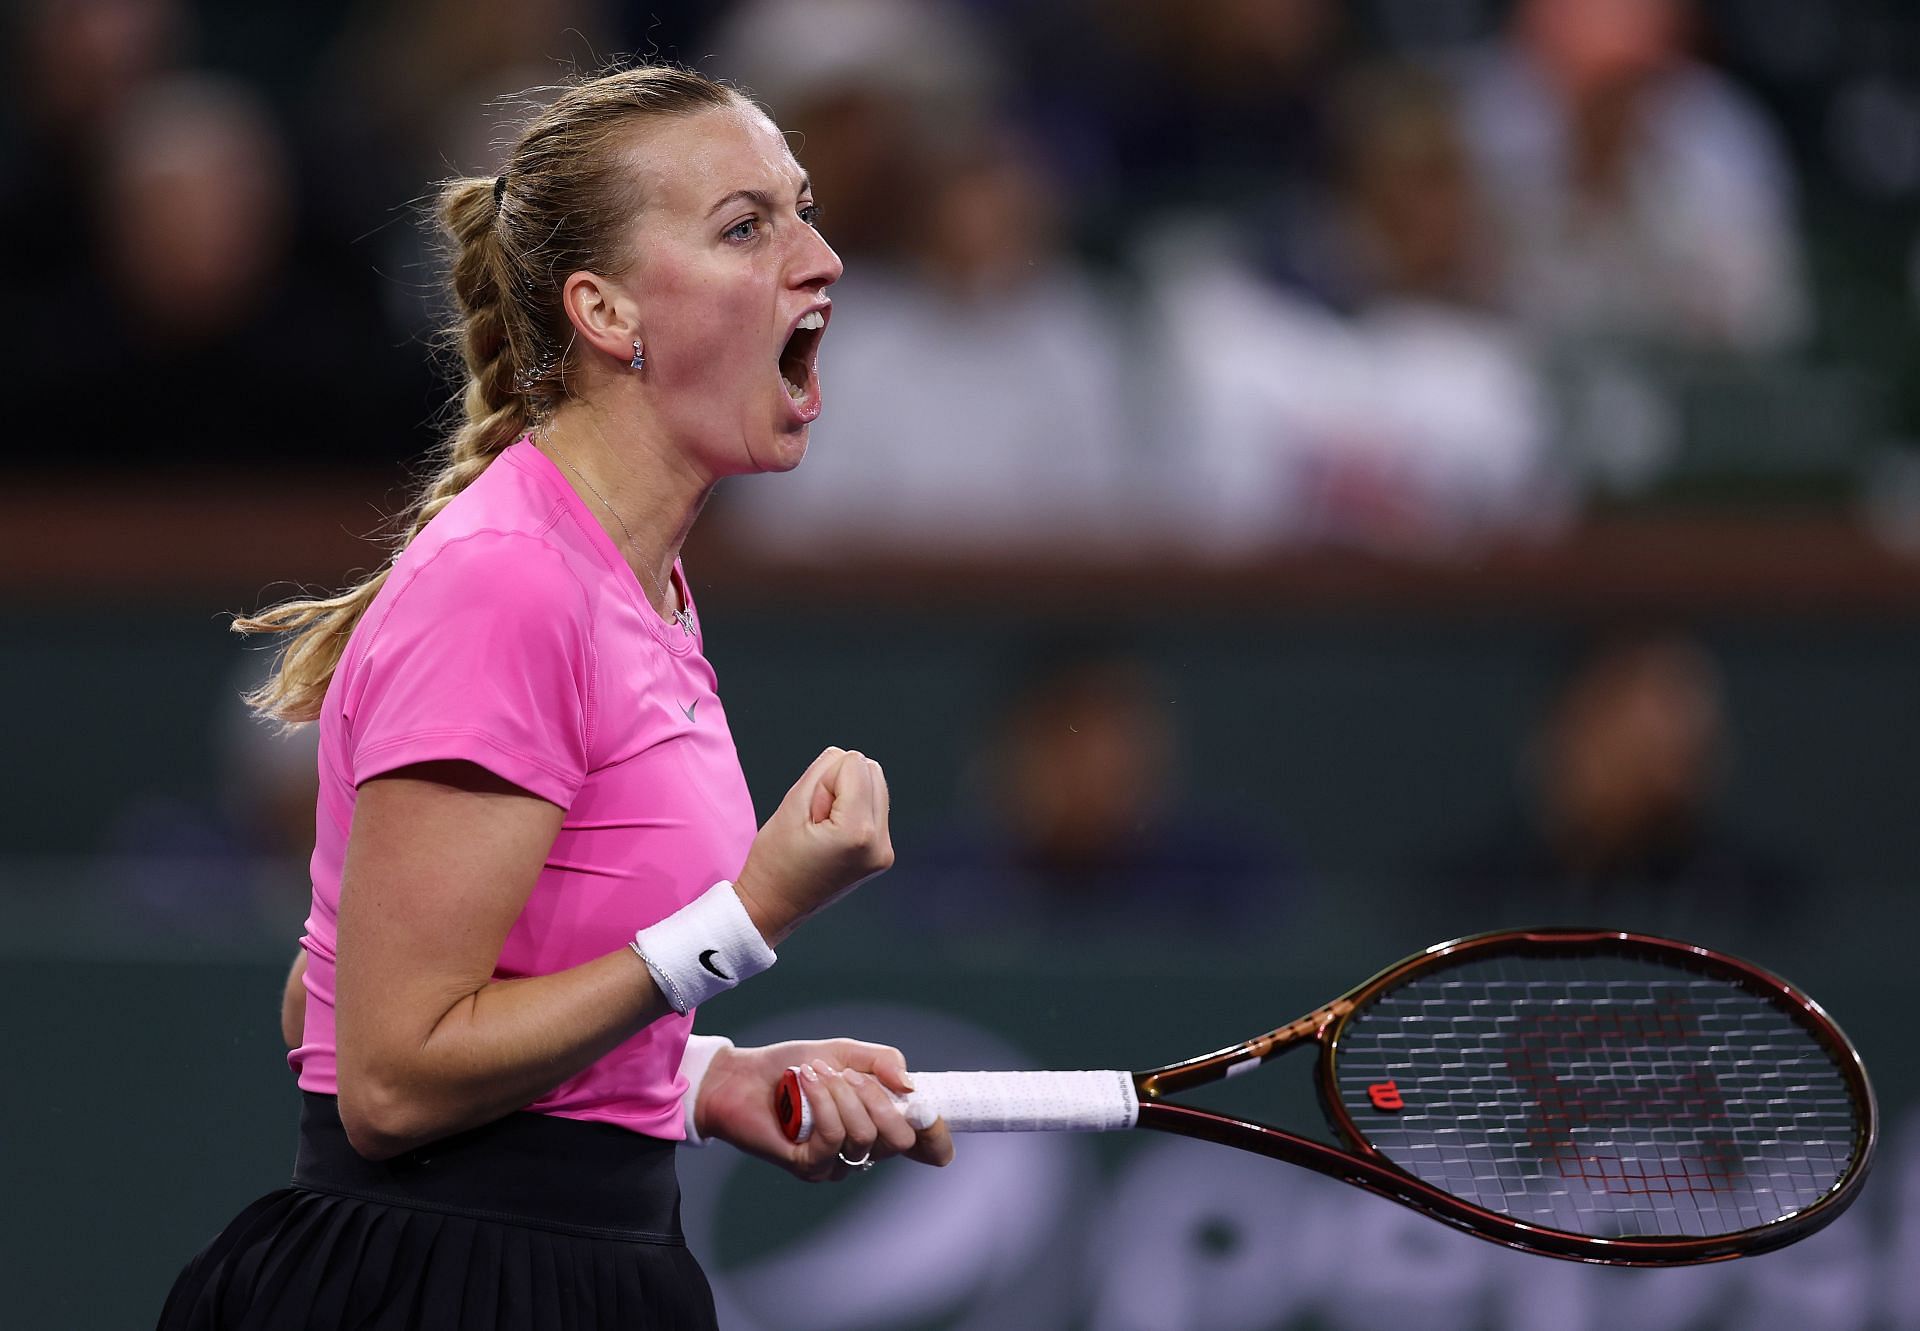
x,y
485,654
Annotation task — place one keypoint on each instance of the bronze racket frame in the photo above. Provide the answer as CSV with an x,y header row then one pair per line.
x,y
1364,1166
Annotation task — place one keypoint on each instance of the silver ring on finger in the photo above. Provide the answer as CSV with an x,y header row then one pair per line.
x,y
863,1164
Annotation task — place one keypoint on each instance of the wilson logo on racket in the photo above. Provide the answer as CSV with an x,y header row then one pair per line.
x,y
1386,1097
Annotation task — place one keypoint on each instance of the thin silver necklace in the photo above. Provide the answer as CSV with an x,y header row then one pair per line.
x,y
683,616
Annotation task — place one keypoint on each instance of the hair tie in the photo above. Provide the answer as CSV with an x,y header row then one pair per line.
x,y
499,189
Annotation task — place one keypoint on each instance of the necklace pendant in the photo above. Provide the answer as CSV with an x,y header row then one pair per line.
x,y
684,618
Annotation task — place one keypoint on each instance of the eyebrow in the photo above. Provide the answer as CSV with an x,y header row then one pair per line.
x,y
759,197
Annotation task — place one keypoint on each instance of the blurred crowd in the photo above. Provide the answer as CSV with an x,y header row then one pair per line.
x,y
1216,275
1221,277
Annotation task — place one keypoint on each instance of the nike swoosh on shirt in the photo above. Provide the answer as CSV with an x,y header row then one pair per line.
x,y
688,707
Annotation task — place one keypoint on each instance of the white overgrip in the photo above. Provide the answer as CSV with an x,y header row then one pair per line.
x,y
1102,1101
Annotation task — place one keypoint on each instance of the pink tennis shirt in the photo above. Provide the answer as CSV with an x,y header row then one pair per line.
x,y
513,635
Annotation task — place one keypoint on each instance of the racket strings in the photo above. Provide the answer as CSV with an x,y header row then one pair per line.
x,y
1607,1098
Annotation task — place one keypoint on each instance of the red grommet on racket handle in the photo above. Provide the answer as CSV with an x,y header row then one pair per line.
x,y
790,1105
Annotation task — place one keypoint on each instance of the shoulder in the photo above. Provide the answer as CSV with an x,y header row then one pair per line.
x,y
485,607
1714,125
501,543
1489,80
481,649
490,574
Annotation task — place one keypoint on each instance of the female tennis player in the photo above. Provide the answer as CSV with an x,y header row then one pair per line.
x,y
535,850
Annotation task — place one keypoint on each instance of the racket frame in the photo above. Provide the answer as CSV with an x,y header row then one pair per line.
x,y
1364,1166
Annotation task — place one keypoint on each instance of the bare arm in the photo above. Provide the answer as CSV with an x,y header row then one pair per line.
x,y
439,865
440,861
293,1003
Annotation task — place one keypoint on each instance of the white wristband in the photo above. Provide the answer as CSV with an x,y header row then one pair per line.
x,y
699,1056
704,948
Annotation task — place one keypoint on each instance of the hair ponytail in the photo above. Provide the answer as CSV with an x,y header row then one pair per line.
x,y
560,206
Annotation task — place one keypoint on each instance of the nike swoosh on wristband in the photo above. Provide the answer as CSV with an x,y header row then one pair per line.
x,y
706,960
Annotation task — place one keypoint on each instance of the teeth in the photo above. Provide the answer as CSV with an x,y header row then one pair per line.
x,y
812,321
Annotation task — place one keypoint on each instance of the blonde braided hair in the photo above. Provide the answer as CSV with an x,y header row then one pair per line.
x,y
561,205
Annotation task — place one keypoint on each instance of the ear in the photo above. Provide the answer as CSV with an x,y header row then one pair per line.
x,y
603,313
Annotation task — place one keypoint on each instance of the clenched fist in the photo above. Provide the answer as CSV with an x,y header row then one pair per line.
x,y
828,835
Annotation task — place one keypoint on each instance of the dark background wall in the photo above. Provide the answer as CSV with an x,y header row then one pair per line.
x,y
1376,742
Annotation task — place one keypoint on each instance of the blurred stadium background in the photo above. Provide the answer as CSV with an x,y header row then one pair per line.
x,y
1301,479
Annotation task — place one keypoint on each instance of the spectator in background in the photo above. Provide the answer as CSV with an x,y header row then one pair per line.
x,y
980,406
1081,829
1463,408
1167,107
233,869
409,92
193,337
1639,194
867,85
77,66
1412,222
1392,409
195,210
1625,769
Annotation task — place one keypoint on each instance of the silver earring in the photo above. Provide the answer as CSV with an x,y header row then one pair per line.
x,y
639,360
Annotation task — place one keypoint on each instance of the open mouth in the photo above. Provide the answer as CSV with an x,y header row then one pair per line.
x,y
797,361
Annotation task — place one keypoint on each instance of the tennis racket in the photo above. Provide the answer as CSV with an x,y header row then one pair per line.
x,y
1593,1095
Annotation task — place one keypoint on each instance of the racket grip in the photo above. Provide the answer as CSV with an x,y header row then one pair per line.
x,y
1103,1101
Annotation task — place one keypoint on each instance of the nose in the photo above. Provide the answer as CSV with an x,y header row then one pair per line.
x,y
815,264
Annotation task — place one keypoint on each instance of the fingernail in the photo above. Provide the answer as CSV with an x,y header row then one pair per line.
x,y
906,1080
826,1069
806,1070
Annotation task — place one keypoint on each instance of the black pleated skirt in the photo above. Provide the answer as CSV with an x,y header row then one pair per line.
x,y
532,1222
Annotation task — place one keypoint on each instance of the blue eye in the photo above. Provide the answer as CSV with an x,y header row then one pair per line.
x,y
743,229
811,214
